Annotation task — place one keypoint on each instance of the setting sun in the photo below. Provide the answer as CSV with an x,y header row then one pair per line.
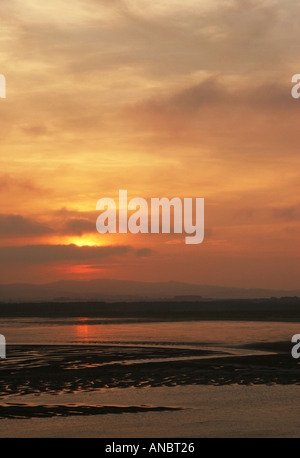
x,y
90,241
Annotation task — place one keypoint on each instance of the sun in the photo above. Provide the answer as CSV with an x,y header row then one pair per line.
x,y
84,241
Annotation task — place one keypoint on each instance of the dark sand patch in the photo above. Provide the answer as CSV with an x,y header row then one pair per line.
x,y
69,369
22,411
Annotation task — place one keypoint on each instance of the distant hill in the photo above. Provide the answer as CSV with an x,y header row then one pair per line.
x,y
131,291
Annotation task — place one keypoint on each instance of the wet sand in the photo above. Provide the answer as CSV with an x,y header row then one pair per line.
x,y
207,411
50,369
149,391
126,378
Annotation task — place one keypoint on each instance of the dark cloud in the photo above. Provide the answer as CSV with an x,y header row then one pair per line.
x,y
213,93
79,226
251,214
67,223
35,254
143,252
74,222
220,118
287,213
19,226
39,254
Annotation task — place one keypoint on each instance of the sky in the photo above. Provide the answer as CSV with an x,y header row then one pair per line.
x,y
162,98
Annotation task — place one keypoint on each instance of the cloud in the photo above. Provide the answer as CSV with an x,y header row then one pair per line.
x,y
157,38
36,130
79,226
9,182
67,223
221,118
126,51
144,252
215,93
32,254
19,226
39,254
169,38
287,213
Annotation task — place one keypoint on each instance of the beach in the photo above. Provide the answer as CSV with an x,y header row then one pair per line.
x,y
182,384
208,411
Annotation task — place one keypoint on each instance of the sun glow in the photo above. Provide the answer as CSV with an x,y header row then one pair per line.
x,y
85,240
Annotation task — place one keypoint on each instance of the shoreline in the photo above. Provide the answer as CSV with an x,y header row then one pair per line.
x,y
271,310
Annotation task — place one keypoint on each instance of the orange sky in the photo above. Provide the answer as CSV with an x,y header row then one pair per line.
x,y
162,98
